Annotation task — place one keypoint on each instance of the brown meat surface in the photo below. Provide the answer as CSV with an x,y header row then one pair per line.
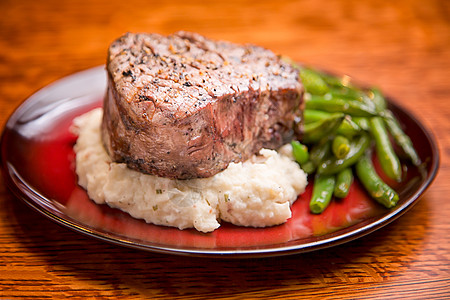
x,y
184,106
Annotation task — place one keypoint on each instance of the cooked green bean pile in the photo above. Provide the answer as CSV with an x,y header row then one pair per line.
x,y
342,124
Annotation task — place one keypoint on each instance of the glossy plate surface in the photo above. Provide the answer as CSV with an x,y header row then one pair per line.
x,y
38,167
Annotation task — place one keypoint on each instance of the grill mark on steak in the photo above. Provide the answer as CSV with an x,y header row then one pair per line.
x,y
183,106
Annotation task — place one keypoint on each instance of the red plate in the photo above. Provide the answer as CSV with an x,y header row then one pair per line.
x,y
38,167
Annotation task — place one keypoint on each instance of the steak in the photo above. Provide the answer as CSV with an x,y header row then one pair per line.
x,y
184,106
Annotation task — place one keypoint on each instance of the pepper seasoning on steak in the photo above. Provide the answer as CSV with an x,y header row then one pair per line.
x,y
184,106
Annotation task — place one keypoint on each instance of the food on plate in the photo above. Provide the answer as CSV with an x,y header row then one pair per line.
x,y
344,180
322,192
343,123
192,132
183,106
378,189
187,133
257,192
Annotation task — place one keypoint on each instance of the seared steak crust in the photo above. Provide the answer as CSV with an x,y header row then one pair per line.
x,y
183,106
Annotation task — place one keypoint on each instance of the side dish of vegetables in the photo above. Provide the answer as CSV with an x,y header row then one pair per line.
x,y
343,124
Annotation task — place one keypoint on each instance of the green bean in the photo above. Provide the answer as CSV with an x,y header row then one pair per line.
x,y
344,180
320,151
342,88
378,99
314,132
312,115
340,146
300,152
308,167
334,165
347,93
322,192
350,107
341,85
388,159
400,137
348,128
377,189
362,122
337,82
313,82
311,97
369,102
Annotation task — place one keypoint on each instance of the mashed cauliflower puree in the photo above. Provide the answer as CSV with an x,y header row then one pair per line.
x,y
257,192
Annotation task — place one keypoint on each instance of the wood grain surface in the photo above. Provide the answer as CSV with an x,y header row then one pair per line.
x,y
401,46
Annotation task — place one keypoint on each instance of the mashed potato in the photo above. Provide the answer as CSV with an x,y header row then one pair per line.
x,y
257,192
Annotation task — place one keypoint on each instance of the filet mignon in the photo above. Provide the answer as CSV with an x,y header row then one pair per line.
x,y
184,106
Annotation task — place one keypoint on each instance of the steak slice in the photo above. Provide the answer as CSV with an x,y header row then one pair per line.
x,y
184,106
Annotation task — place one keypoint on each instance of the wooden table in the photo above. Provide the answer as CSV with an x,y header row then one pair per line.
x,y
401,46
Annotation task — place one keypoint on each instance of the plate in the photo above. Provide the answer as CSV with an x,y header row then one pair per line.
x,y
38,167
